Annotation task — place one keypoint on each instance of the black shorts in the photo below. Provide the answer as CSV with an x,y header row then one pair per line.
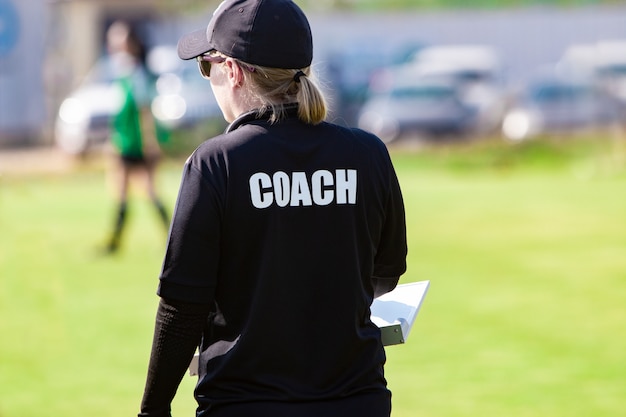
x,y
133,161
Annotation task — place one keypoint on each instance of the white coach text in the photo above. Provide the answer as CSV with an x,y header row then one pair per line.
x,y
296,189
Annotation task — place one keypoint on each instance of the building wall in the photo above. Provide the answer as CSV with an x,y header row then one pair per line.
x,y
22,97
83,24
74,40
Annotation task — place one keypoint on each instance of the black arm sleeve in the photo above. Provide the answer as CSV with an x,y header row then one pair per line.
x,y
177,333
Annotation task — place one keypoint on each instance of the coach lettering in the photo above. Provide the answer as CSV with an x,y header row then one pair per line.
x,y
321,196
300,191
296,189
258,182
346,186
281,189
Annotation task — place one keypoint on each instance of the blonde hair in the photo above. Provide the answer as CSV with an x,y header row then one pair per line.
x,y
275,87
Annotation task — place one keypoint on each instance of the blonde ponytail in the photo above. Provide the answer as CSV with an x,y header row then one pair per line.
x,y
312,105
275,87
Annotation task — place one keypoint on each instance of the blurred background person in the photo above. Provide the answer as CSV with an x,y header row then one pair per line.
x,y
135,136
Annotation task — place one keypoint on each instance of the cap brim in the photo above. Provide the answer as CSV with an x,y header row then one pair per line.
x,y
193,44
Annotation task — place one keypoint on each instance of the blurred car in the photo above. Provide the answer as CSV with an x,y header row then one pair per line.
x,y
478,71
443,89
604,61
183,99
347,89
84,116
425,105
557,104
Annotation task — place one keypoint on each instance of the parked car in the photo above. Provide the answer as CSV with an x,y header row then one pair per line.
x,y
442,90
604,61
557,104
346,88
84,116
183,100
424,105
479,72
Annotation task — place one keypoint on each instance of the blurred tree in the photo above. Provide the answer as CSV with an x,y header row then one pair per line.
x,y
193,6
186,6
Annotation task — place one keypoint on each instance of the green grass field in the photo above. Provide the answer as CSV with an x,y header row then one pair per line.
x,y
525,248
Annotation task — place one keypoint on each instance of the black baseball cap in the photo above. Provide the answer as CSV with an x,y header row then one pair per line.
x,y
269,33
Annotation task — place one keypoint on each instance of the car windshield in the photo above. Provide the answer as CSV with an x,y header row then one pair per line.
x,y
617,70
559,93
470,76
432,92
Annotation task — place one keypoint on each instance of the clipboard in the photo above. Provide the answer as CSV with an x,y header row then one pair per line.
x,y
396,311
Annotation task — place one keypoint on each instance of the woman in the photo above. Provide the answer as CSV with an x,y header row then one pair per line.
x,y
285,229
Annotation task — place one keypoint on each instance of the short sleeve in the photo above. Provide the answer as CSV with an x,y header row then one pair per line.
x,y
190,266
390,260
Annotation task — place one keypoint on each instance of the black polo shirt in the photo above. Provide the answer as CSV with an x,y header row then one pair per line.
x,y
281,227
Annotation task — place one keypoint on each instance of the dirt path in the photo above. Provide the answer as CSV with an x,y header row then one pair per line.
x,y
36,161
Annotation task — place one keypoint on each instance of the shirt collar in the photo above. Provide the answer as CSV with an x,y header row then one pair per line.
x,y
262,114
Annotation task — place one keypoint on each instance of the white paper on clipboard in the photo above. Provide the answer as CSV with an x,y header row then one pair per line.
x,y
395,311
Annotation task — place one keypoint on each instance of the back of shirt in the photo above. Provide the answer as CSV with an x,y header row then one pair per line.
x,y
283,227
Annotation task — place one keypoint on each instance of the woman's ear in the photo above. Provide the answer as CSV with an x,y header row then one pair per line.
x,y
234,73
